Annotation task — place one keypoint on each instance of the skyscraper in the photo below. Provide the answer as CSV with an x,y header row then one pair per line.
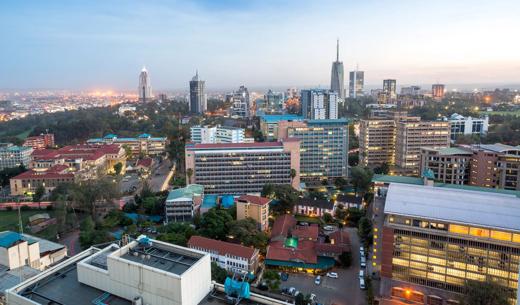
x,y
198,103
273,102
337,78
356,83
145,87
438,91
390,88
241,103
319,104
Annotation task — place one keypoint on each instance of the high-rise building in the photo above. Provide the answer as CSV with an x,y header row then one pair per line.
x,y
496,166
432,240
145,86
14,156
198,98
243,168
438,91
217,134
390,88
241,104
377,141
319,104
411,91
337,78
356,83
274,102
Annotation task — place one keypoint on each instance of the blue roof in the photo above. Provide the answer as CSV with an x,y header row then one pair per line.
x,y
110,136
9,238
327,122
275,118
227,201
210,201
144,135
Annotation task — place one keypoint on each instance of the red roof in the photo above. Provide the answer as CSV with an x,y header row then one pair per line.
x,y
305,252
340,238
80,151
306,232
254,199
238,145
222,247
55,172
146,162
282,224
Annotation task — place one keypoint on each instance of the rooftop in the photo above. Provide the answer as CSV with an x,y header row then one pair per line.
x,y
10,238
447,151
275,118
222,247
462,206
186,192
237,145
317,203
258,200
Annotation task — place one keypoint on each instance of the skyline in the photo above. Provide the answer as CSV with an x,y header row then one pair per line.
x,y
82,46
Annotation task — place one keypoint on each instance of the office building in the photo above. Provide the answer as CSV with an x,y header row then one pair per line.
x,y
198,98
14,156
183,203
323,147
433,239
144,271
496,166
269,124
42,141
217,134
447,165
467,126
240,103
438,91
412,135
142,144
145,86
235,258
256,207
411,91
242,168
274,102
377,141
390,88
319,104
356,83
337,77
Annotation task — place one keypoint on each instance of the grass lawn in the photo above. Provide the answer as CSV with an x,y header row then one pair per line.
x,y
515,113
9,222
308,219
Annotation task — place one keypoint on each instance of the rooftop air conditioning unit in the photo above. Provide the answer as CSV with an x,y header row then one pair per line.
x,y
138,300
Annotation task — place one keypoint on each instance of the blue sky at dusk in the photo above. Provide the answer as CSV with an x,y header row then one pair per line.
x,y
104,44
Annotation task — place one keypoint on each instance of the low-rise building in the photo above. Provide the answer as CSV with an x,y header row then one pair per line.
x,y
142,144
461,125
448,165
269,124
256,207
495,165
14,156
182,204
40,142
350,201
314,207
27,182
217,134
232,257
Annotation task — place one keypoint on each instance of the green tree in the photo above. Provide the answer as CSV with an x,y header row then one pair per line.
x,y
293,174
383,169
484,293
118,167
365,231
39,193
189,173
284,193
246,231
218,274
215,224
345,259
361,178
327,218
340,182
128,151
272,278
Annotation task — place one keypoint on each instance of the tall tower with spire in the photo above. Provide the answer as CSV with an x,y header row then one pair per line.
x,y
337,78
145,87
198,100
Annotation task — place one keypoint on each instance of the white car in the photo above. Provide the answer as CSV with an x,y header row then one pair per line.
x,y
362,284
317,281
328,228
313,297
361,274
333,275
363,262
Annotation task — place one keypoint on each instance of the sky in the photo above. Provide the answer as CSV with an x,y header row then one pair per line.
x,y
103,44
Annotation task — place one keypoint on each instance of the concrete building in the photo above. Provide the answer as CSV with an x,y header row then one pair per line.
x,y
255,207
274,102
448,165
377,142
390,88
461,125
241,104
198,97
217,134
14,156
28,182
433,239
411,136
438,91
411,91
232,257
125,109
313,207
145,87
242,168
496,166
269,124
182,204
323,147
356,83
319,104
144,271
337,76
42,141
142,144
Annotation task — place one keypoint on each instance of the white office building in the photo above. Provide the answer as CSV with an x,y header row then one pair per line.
x,y
461,125
217,134
14,156
319,104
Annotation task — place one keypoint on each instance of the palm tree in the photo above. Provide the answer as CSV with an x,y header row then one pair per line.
x,y
293,174
189,172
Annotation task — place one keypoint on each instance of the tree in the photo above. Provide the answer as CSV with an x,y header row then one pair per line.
x,y
215,224
361,178
484,293
39,193
189,172
128,151
302,299
383,169
340,182
218,274
345,259
7,173
365,231
246,232
177,233
327,218
272,278
285,194
293,174
118,167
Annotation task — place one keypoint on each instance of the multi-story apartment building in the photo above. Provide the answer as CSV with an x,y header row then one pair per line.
x,y
217,134
143,144
448,165
319,104
255,207
232,257
460,125
241,103
269,124
390,88
323,147
14,156
274,102
411,136
241,168
377,142
438,91
182,204
496,166
434,239
40,142
356,83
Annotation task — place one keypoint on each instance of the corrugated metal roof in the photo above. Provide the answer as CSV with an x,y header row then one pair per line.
x,y
478,208
186,192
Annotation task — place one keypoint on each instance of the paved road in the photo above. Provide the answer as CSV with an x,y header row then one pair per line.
x,y
159,175
341,291
71,240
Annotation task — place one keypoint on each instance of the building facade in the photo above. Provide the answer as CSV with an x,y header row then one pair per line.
x,y
390,88
269,124
431,246
255,207
496,166
438,91
198,98
145,87
241,104
448,165
356,83
142,144
461,125
242,168
319,104
217,134
377,142
313,207
14,156
182,204
274,102
40,142
337,76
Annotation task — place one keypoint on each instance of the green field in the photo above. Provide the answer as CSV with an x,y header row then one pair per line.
x,y
9,222
515,113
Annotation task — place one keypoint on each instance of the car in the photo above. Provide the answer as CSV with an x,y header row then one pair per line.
x,y
333,275
284,276
291,290
304,223
361,274
329,228
297,292
313,297
317,280
363,262
362,284
361,249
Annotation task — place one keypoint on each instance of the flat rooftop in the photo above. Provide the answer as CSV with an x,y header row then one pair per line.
x,y
490,210
63,287
165,259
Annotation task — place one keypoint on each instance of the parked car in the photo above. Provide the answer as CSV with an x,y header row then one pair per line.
x,y
304,223
362,284
284,276
285,290
313,297
317,281
333,275
297,292
361,274
292,290
363,263
329,228
361,249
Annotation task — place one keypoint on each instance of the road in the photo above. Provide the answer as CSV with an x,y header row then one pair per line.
x,y
160,175
71,240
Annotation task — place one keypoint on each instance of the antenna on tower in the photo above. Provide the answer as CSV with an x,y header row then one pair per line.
x,y
337,49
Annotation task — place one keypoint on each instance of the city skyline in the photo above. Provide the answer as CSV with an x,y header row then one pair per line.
x,y
102,45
